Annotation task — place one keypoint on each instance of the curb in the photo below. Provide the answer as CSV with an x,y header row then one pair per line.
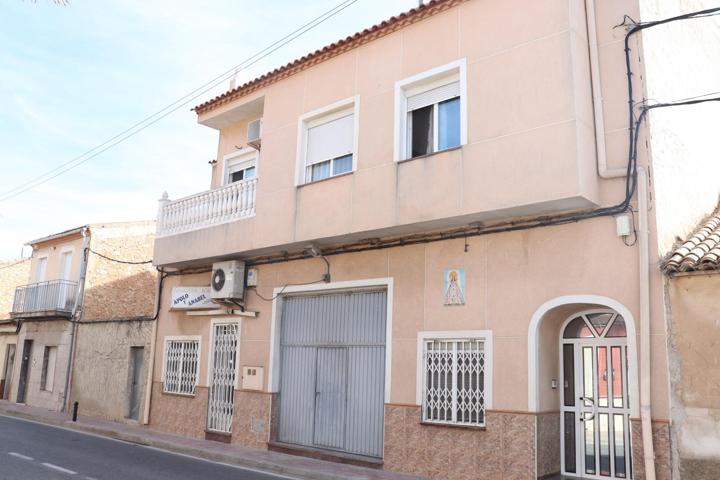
x,y
262,465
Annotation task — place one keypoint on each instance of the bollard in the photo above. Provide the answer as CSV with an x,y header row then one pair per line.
x,y
75,410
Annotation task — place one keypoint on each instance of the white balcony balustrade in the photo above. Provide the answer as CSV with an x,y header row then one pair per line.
x,y
52,298
225,204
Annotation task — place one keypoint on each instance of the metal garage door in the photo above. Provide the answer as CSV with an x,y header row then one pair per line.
x,y
332,385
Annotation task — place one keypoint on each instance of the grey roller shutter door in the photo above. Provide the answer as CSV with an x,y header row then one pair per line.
x,y
332,384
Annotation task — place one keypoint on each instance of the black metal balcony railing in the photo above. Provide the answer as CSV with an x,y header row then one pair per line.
x,y
52,297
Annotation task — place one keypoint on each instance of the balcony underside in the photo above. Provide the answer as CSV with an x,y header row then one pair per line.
x,y
235,239
48,314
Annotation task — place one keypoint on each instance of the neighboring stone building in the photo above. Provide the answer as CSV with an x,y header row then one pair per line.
x,y
693,323
90,304
12,274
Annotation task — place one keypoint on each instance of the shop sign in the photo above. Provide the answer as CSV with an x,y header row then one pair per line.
x,y
191,298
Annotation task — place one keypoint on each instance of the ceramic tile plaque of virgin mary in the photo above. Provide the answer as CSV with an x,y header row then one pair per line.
x,y
455,286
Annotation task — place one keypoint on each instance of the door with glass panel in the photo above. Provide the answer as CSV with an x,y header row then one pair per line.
x,y
595,409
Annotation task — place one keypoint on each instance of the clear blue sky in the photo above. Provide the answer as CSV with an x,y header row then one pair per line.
x,y
73,76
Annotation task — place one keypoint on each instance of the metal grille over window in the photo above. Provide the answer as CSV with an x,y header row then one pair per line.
x,y
454,389
181,366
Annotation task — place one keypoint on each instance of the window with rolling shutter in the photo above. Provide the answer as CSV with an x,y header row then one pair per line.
x,y
328,142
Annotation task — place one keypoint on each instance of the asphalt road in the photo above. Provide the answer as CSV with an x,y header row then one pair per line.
x,y
30,451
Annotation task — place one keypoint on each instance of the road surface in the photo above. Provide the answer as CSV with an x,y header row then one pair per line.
x,y
32,451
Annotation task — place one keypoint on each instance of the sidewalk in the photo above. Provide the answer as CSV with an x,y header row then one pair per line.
x,y
272,462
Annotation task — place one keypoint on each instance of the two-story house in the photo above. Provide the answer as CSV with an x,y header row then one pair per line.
x,y
85,320
449,232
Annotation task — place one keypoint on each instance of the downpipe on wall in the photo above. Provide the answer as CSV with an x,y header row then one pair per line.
x,y
596,87
644,271
643,238
78,301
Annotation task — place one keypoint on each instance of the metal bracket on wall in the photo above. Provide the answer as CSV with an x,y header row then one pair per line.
x,y
222,312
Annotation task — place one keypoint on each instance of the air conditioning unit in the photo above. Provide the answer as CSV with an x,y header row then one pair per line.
x,y
227,284
254,133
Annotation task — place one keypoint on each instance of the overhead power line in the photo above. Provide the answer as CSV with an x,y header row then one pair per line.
x,y
174,106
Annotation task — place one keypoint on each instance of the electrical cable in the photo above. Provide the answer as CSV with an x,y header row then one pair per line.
x,y
322,280
143,262
174,106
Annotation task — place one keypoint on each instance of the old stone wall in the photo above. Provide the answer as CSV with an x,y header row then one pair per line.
x,y
103,368
120,292
693,326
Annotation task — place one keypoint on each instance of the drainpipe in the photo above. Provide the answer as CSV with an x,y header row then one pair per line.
x,y
598,115
643,239
645,401
151,366
74,315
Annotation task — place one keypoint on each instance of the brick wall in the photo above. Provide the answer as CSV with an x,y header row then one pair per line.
x,y
114,290
13,273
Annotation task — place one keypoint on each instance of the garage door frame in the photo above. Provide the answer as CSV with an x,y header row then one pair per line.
x,y
333,287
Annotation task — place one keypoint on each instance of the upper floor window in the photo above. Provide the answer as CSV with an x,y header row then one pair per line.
x,y
431,111
328,141
41,269
240,165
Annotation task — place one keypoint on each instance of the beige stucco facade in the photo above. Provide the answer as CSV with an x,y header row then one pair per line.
x,y
530,152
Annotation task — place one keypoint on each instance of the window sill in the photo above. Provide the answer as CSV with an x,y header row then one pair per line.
x,y
480,428
326,179
174,394
430,154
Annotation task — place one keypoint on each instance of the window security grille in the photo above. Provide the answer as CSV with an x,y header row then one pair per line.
x,y
181,366
454,382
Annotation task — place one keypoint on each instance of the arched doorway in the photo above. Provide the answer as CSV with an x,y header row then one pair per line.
x,y
594,399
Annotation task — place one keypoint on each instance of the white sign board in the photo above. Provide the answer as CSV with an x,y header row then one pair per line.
x,y
191,298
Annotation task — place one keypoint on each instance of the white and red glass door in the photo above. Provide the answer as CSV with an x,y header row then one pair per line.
x,y
595,408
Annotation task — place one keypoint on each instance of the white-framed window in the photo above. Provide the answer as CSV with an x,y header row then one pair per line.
x,y
181,365
66,257
239,166
455,376
431,111
327,142
41,269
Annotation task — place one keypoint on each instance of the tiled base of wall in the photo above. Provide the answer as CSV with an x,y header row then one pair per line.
x,y
251,419
505,449
661,445
548,444
179,414
187,415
